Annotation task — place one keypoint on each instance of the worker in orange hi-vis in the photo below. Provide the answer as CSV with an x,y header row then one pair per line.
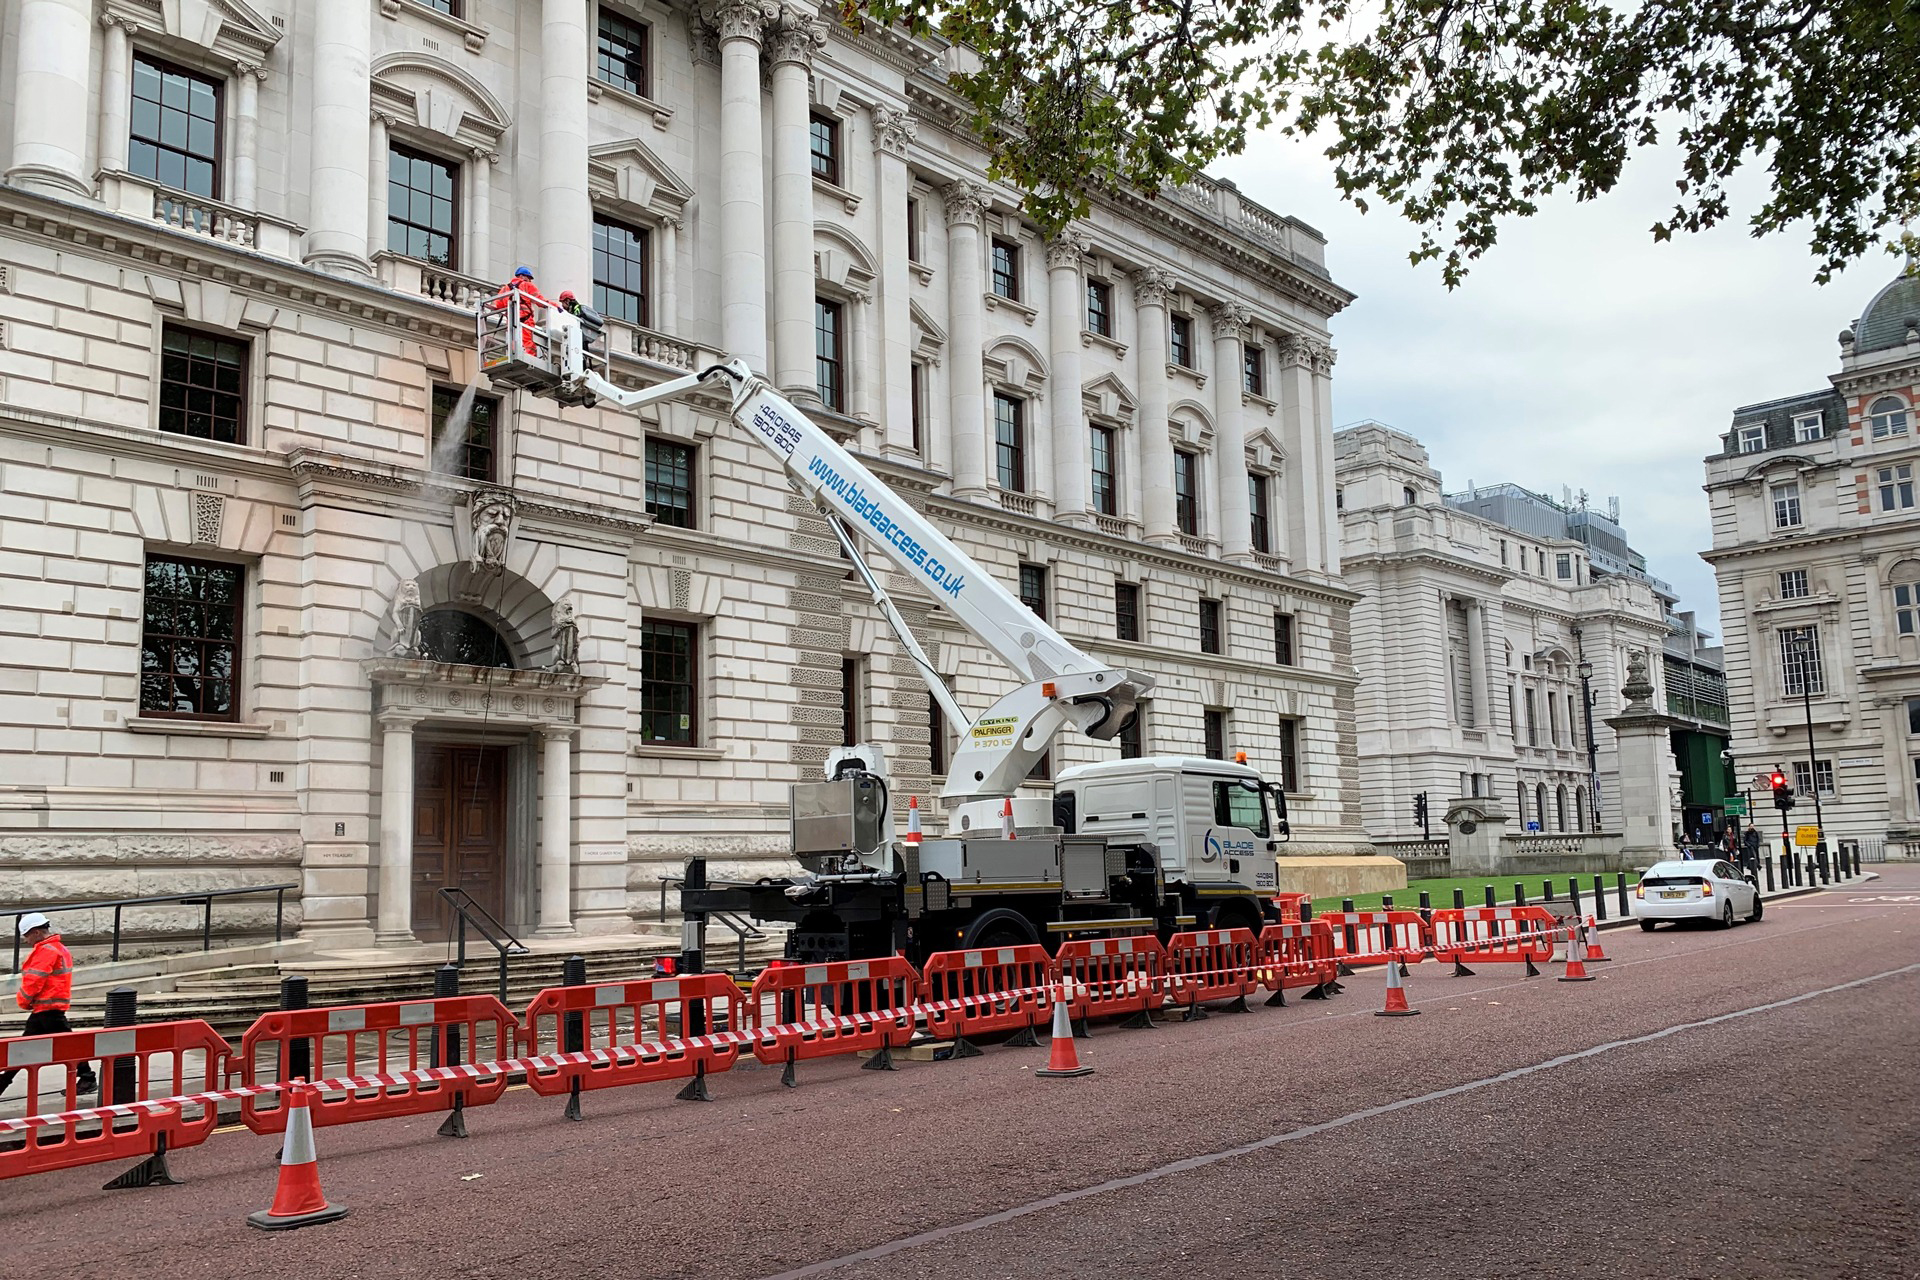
x,y
522,285
46,991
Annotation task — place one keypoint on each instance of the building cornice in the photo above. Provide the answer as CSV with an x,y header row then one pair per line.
x,y
1800,542
1434,559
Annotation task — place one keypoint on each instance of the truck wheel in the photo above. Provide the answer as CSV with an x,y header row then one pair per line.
x,y
1235,915
1001,927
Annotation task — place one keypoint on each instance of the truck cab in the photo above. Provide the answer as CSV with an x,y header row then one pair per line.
x,y
1217,823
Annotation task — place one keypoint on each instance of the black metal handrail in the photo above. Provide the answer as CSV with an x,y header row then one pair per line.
x,y
743,931
484,924
119,904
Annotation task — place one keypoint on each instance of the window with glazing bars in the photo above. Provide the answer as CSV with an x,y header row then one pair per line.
x,y
1254,366
473,457
1180,340
1106,495
1786,506
1126,611
1210,626
669,683
174,135
1010,441
1289,734
936,736
829,368
1800,661
1006,270
1186,493
670,483
203,385
622,60
1132,736
1100,308
823,141
1033,589
1213,730
190,639
620,255
1283,639
849,702
423,206
917,383
1257,513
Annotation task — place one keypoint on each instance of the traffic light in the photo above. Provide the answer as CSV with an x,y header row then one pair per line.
x,y
1782,793
1420,808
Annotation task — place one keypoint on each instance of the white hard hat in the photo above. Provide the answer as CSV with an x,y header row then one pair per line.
x,y
31,921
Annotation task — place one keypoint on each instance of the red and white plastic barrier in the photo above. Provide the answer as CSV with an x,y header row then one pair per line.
x,y
1362,938
661,1028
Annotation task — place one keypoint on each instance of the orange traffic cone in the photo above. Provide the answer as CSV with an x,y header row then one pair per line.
x,y
1576,949
297,1201
1006,820
913,821
1396,994
1594,954
1064,1060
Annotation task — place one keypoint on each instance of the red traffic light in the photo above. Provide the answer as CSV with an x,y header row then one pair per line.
x,y
1779,780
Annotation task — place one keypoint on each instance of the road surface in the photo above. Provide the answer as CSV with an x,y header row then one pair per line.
x,y
1715,1104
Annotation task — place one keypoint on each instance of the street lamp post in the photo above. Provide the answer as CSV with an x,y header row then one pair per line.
x,y
1593,758
1804,652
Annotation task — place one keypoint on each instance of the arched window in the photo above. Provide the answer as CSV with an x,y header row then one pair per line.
x,y
1540,805
1887,416
453,635
1559,808
1580,809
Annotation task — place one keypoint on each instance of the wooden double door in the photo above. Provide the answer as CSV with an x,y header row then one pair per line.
x,y
459,832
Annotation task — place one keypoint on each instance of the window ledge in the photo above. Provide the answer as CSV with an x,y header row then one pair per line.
x,y
995,302
597,88
921,271
198,728
661,751
1088,338
1177,370
1248,397
471,34
838,192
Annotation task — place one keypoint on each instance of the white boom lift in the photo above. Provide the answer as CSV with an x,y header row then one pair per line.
x,y
843,827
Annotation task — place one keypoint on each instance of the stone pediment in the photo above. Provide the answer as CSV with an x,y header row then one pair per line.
x,y
1107,397
433,95
1265,452
232,30
628,172
456,691
928,337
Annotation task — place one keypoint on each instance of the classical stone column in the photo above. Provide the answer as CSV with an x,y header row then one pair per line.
x,y
395,911
863,348
893,133
52,95
1299,418
379,141
556,832
1067,310
1158,506
116,90
1477,663
668,319
791,47
743,232
965,202
342,101
1323,357
477,254
566,210
244,191
1230,321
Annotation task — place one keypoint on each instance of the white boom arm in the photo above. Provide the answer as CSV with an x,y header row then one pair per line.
x,y
1060,685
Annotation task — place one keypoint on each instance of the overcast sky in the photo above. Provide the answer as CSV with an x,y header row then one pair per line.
x,y
1579,353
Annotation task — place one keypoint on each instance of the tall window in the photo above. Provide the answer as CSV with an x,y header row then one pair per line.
x,y
1896,487
1906,607
1010,441
1106,491
1033,588
1213,729
623,54
1210,626
1786,505
1283,639
423,206
823,140
1126,611
1289,731
1180,340
1821,775
1793,584
1913,716
1006,270
1751,439
190,639
1099,308
472,455
1186,492
936,736
203,385
829,369
1887,416
1533,728
1562,565
670,482
1560,808
174,138
1253,376
1800,661
1132,736
913,230
1807,428
1553,718
669,683
620,255
1257,486
849,702
917,385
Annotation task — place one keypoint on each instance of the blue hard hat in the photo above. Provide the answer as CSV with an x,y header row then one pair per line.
x,y
523,271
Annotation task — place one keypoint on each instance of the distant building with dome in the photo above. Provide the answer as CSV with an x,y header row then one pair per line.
x,y
1816,544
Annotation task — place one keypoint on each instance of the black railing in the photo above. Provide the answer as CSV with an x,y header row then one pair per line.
x,y
471,912
279,892
744,931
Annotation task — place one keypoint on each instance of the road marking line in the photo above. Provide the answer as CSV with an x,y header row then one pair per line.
x,y
1308,1131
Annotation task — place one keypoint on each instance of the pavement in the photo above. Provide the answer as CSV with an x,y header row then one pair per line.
x,y
1716,1103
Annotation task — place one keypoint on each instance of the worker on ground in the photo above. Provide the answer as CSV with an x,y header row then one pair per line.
x,y
46,991
521,286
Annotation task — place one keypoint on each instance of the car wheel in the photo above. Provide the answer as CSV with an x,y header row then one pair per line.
x,y
1646,926
1759,906
1726,916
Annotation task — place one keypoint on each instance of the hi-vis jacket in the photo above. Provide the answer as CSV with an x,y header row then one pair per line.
x,y
46,980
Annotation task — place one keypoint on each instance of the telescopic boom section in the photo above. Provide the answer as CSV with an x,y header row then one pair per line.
x,y
1060,684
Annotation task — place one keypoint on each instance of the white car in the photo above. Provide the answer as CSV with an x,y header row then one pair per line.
x,y
1701,889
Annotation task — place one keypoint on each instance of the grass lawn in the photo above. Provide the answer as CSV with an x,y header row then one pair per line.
x,y
1475,889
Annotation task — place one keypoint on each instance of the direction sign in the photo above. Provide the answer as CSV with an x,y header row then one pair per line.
x,y
1735,806
1806,837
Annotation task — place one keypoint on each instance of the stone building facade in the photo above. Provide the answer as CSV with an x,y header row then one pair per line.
x,y
285,595
1468,637
1816,542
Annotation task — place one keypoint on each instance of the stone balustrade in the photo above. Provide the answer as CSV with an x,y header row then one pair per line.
x,y
201,217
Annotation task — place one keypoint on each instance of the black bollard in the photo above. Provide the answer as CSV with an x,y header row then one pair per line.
x,y
1490,896
1546,891
446,1049
1519,894
1426,900
1459,899
1306,911
1599,899
1821,856
1620,887
573,1028
1767,862
1346,905
120,1082
1386,902
298,1061
1573,895
693,1019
